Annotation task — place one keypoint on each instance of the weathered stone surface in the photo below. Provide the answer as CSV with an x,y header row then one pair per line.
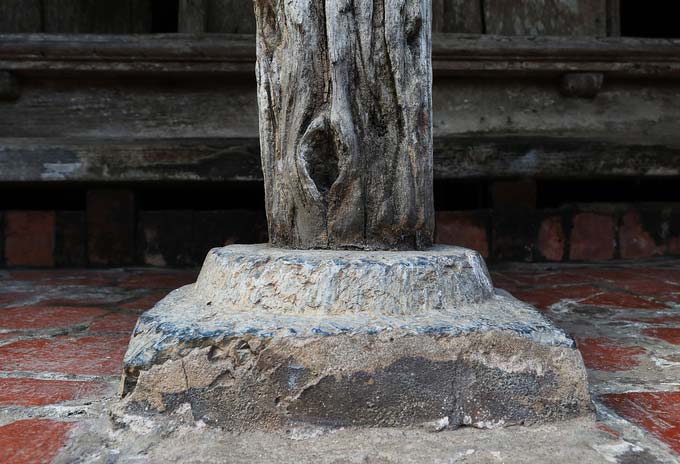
x,y
336,282
268,337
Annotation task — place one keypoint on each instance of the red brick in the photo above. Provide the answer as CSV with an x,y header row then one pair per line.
x,y
605,354
33,441
2,241
674,231
514,235
592,237
551,239
29,238
164,238
659,413
34,392
110,227
668,334
674,245
70,239
622,300
462,229
634,240
93,355
115,322
46,317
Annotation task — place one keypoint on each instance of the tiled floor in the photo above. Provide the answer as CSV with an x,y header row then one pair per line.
x,y
63,335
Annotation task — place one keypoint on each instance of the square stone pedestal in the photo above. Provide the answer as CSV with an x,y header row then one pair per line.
x,y
270,337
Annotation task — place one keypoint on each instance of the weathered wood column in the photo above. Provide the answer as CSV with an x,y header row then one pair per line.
x,y
344,89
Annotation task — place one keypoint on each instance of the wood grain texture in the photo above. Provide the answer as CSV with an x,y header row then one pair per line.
x,y
231,16
192,16
20,16
546,17
97,16
344,93
457,16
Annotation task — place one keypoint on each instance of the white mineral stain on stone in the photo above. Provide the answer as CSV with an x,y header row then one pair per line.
x,y
611,452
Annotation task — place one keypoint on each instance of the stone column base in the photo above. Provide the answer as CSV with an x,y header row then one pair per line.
x,y
267,338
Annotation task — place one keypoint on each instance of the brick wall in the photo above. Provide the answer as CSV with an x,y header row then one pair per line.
x,y
111,232
590,232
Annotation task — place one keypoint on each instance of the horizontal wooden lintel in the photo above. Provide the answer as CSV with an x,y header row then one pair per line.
x,y
211,160
452,54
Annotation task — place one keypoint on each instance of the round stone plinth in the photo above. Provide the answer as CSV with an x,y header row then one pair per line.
x,y
269,337
281,281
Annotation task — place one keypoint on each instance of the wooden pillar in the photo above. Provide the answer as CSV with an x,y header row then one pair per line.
x,y
344,90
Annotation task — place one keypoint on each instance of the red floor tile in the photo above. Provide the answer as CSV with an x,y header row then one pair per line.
x,y
654,319
34,392
33,441
93,355
537,278
646,286
58,277
659,413
614,274
146,302
169,280
668,334
622,300
545,297
12,299
46,317
115,322
667,274
669,297
606,354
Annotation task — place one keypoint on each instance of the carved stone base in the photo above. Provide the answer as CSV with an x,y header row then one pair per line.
x,y
268,337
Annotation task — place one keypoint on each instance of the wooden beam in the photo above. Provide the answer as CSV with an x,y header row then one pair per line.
x,y
219,160
452,55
